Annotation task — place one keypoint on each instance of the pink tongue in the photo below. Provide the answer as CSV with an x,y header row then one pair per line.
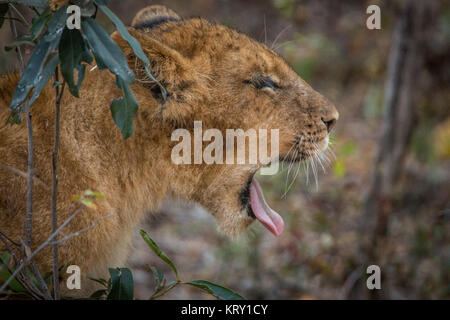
x,y
269,218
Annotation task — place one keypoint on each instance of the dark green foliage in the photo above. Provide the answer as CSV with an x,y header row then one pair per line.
x,y
124,109
3,11
106,51
74,50
216,290
122,286
152,244
34,76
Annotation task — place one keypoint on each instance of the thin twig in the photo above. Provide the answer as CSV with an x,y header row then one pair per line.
x,y
30,173
29,212
12,24
2,235
23,279
42,246
59,94
27,284
76,234
24,175
22,18
15,19
47,295
164,291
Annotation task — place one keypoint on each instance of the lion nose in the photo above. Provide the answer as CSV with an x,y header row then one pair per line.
x,y
330,119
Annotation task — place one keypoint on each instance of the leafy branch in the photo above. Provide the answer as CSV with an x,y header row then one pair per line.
x,y
58,49
18,268
72,49
121,286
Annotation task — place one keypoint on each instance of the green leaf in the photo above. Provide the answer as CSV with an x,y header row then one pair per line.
x,y
3,10
39,23
46,73
5,258
72,52
56,24
134,44
105,50
158,275
14,285
101,281
88,203
94,194
122,286
31,75
20,40
99,294
152,244
124,109
216,290
34,71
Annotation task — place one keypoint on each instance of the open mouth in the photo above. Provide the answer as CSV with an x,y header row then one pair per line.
x,y
252,199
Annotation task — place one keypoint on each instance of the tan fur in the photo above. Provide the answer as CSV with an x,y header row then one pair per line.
x,y
204,67
154,13
56,4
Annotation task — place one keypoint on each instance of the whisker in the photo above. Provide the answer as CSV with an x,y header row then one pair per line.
x,y
265,30
293,180
319,161
289,151
307,172
317,156
282,44
314,170
278,36
289,171
332,154
287,155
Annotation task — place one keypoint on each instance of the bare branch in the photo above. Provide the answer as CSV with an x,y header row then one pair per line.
x,y
76,234
30,174
47,295
23,279
22,18
24,175
59,94
4,236
14,32
42,246
30,186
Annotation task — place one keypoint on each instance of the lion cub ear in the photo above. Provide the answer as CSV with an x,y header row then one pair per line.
x,y
167,65
153,15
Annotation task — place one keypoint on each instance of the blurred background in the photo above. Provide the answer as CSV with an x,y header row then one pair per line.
x,y
385,197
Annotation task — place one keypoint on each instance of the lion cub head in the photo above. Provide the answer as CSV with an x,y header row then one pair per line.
x,y
223,80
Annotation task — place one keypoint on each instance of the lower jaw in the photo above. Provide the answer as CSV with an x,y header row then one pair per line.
x,y
250,212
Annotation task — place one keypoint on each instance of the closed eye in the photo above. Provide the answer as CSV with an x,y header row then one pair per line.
x,y
263,82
